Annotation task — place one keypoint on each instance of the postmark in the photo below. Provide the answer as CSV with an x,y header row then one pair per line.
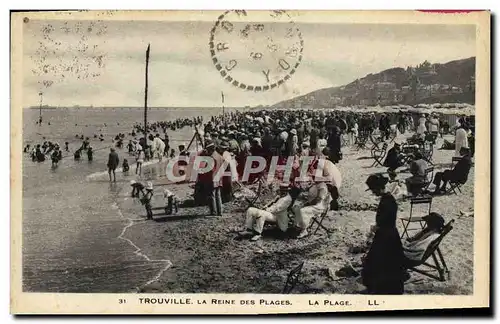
x,y
253,55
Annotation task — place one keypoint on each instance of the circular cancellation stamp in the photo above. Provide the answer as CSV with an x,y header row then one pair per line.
x,y
253,55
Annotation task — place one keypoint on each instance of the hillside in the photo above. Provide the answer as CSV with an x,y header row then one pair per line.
x,y
426,83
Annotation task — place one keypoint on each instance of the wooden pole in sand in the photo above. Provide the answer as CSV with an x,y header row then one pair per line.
x,y
223,117
40,117
146,102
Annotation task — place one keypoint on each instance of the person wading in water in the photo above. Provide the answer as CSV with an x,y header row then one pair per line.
x,y
113,162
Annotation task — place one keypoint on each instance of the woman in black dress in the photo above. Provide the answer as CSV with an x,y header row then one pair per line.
x,y
383,268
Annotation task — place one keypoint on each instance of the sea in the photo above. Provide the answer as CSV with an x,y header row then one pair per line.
x,y
70,221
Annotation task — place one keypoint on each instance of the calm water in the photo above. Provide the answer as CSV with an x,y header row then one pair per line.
x,y
70,228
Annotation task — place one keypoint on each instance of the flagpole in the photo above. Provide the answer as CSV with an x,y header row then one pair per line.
x,y
40,118
146,101
223,117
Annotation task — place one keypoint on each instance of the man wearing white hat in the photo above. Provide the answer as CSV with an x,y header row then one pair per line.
x,y
275,212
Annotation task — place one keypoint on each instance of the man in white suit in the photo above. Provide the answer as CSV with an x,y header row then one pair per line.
x,y
275,212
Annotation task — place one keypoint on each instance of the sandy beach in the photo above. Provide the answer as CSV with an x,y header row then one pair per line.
x,y
207,256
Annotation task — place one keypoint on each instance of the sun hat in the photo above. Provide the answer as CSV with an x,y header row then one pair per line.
x,y
376,181
293,131
149,185
209,144
167,193
224,145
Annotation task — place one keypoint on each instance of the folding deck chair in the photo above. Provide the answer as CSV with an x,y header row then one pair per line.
x,y
318,221
415,219
361,140
252,201
292,279
455,186
429,175
427,151
434,252
378,154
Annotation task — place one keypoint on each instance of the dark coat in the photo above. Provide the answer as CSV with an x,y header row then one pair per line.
x,y
383,268
113,160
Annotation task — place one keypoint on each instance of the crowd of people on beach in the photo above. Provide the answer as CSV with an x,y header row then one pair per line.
x,y
307,142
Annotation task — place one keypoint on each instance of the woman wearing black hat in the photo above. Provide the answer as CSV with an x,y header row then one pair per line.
x,y
383,268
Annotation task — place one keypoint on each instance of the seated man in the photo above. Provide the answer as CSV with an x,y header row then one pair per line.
x,y
318,200
415,183
274,212
415,247
125,166
394,160
459,173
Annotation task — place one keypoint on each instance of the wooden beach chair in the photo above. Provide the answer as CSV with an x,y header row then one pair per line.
x,y
455,186
424,200
318,223
378,154
361,140
292,279
393,134
252,201
426,268
427,151
429,175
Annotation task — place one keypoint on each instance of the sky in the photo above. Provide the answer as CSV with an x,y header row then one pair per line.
x,y
102,63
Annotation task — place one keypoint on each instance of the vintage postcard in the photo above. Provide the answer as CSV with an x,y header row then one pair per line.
x,y
249,162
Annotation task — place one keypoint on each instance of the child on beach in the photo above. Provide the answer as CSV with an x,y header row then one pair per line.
x,y
125,166
137,188
140,159
146,199
172,153
172,202
55,158
90,154
77,154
